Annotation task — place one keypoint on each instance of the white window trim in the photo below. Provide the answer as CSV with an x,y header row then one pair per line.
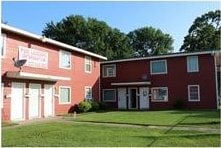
x,y
85,88
154,73
60,56
189,93
154,100
85,63
115,95
60,93
107,76
187,63
4,47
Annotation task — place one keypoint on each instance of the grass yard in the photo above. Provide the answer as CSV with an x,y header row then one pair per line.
x,y
66,132
208,118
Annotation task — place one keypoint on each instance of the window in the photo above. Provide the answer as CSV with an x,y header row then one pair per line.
x,y
3,45
158,67
65,59
193,93
192,64
88,64
109,70
88,93
159,94
65,95
109,95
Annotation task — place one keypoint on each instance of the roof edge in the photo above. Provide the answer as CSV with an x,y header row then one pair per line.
x,y
47,40
161,56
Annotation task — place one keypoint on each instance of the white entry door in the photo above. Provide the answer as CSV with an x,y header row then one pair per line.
x,y
144,98
17,101
34,101
48,100
122,101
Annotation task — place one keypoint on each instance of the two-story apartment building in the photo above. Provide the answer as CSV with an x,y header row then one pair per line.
x,y
162,82
55,76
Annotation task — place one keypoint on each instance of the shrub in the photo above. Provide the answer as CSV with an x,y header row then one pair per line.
x,y
84,106
102,105
95,106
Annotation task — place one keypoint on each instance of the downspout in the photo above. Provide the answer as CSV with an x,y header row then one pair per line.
x,y
217,95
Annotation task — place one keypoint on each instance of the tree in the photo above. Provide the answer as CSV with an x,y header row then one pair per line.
x,y
149,41
90,34
204,34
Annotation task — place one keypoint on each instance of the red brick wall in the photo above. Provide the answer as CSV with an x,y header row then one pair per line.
x,y
79,79
177,80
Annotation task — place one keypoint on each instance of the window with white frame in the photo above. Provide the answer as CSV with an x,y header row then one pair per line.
x,y
3,45
109,70
88,93
88,64
192,64
158,67
109,95
65,59
193,93
64,95
160,94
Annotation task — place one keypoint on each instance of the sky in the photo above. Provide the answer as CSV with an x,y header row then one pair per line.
x,y
174,17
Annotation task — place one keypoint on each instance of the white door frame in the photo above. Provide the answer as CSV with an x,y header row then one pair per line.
x,y
129,97
52,99
39,101
23,101
120,98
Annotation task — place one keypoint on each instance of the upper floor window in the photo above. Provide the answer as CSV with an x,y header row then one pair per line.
x,y
159,94
88,93
192,64
158,67
88,64
193,93
109,70
3,45
65,59
65,95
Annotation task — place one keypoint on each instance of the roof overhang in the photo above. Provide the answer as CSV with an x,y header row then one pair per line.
x,y
50,41
179,54
33,76
130,83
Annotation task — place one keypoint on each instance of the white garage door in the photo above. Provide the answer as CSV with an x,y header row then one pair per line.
x,y
48,100
17,101
34,101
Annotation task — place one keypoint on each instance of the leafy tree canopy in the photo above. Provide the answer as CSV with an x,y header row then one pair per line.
x,y
204,34
90,34
150,41
96,36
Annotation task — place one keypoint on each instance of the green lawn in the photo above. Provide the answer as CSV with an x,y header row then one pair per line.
x,y
210,118
69,133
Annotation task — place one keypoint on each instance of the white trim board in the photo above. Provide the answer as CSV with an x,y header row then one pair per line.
x,y
25,75
131,83
160,56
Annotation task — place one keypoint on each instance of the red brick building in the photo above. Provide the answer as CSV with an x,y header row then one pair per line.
x,y
162,82
55,77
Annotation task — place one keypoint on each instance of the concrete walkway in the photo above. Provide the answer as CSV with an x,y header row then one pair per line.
x,y
70,119
200,129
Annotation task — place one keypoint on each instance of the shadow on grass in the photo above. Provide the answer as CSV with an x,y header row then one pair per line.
x,y
7,124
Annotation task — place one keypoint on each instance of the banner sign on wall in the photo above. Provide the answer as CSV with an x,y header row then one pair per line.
x,y
34,57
